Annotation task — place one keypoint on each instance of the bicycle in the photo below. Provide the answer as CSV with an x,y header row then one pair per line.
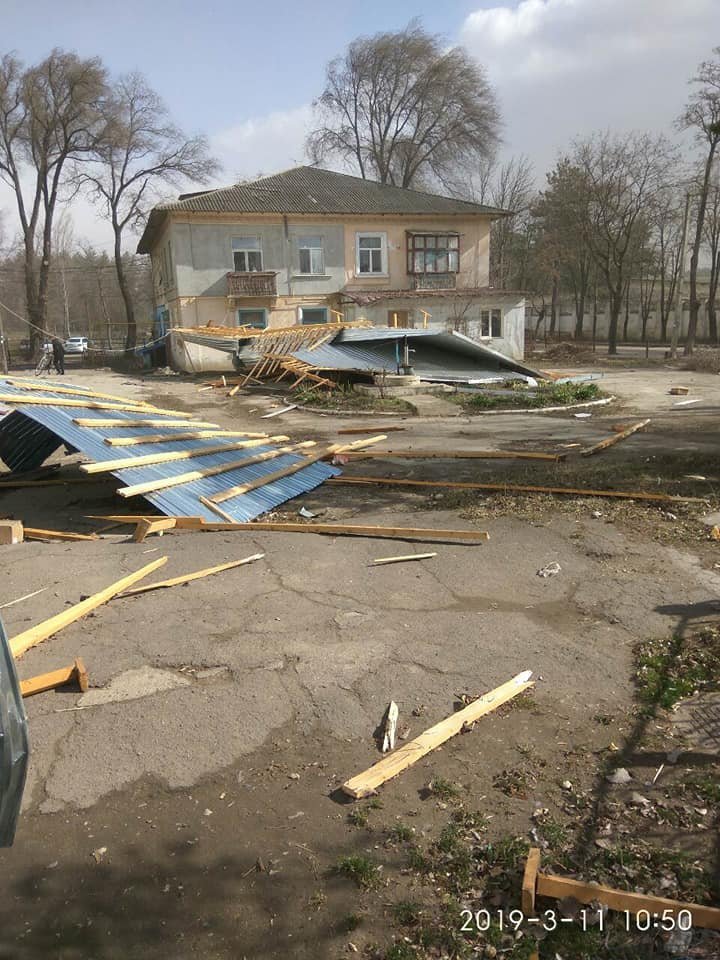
x,y
44,364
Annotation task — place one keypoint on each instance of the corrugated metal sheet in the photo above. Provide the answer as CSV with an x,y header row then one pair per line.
x,y
344,356
183,499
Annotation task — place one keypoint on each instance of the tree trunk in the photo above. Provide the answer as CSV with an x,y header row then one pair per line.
x,y
579,314
615,304
627,312
37,329
554,303
712,323
131,331
695,255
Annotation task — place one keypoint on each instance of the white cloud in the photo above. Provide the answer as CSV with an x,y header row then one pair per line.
x,y
262,145
564,68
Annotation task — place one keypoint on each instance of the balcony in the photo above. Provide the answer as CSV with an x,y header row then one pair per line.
x,y
433,281
254,284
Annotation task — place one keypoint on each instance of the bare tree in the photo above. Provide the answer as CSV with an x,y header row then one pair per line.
x,y
141,150
404,109
667,218
712,241
50,118
702,115
623,175
511,188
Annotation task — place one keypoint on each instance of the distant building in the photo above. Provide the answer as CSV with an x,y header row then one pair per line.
x,y
312,246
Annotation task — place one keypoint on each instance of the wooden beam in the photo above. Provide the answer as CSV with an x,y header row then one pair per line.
x,y
188,577
150,486
532,865
36,533
16,400
242,488
74,391
460,455
560,887
518,488
169,437
409,556
615,438
35,635
147,526
188,523
101,422
366,783
56,678
351,430
350,530
126,463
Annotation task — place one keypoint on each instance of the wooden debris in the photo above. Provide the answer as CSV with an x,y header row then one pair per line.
x,y
459,455
548,885
145,527
47,387
409,556
615,438
35,635
27,596
151,485
189,523
126,463
37,533
367,782
170,437
350,530
188,577
276,413
519,488
532,866
242,488
350,430
11,532
56,678
117,422
391,719
17,400
679,391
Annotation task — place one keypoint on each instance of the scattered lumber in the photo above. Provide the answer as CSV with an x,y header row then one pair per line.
x,y
125,463
350,530
276,413
150,486
519,488
35,635
11,532
16,400
242,488
459,455
547,885
189,523
366,783
56,678
169,437
370,429
679,391
37,533
615,438
410,556
73,391
147,526
113,422
391,719
188,577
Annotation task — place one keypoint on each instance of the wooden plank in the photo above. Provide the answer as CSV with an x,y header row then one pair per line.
x,y
126,463
615,438
16,400
147,526
169,437
532,865
242,488
276,413
101,422
189,523
56,678
30,638
459,455
352,430
26,596
518,488
150,486
559,887
350,530
188,577
74,391
37,533
366,783
409,556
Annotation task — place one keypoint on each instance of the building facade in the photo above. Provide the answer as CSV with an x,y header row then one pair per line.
x,y
312,246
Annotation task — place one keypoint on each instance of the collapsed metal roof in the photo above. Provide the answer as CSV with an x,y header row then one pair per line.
x,y
31,432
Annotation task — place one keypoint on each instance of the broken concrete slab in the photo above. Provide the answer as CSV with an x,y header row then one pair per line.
x,y
134,685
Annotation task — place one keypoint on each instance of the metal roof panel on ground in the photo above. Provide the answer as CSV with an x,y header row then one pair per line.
x,y
181,500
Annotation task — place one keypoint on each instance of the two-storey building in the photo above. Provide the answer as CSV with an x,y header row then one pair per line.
x,y
311,245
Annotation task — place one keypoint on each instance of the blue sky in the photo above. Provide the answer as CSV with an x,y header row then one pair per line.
x,y
246,73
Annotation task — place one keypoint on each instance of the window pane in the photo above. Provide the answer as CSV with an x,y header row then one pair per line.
x,y
496,330
419,264
453,264
310,241
314,315
254,260
239,259
246,243
304,261
252,318
441,242
441,263
316,260
370,243
484,323
364,261
418,242
376,261
453,242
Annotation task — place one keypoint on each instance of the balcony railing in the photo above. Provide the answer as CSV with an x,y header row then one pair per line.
x,y
252,284
433,281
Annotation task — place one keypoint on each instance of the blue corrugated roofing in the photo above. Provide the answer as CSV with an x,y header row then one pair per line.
x,y
175,501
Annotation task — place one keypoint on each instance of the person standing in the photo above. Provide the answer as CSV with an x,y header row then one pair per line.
x,y
58,352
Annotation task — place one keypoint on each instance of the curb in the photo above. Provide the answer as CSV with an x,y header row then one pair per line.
x,y
571,406
356,413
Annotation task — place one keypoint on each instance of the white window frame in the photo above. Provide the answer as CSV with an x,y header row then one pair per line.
x,y
246,251
319,306
383,253
241,310
486,323
312,248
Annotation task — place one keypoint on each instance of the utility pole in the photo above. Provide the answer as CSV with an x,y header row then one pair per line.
x,y
677,312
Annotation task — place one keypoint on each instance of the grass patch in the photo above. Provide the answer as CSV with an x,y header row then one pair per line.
x,y
444,789
358,817
670,670
406,913
551,395
349,923
359,869
401,833
346,399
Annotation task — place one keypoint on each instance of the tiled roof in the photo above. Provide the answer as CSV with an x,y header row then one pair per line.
x,y
312,190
